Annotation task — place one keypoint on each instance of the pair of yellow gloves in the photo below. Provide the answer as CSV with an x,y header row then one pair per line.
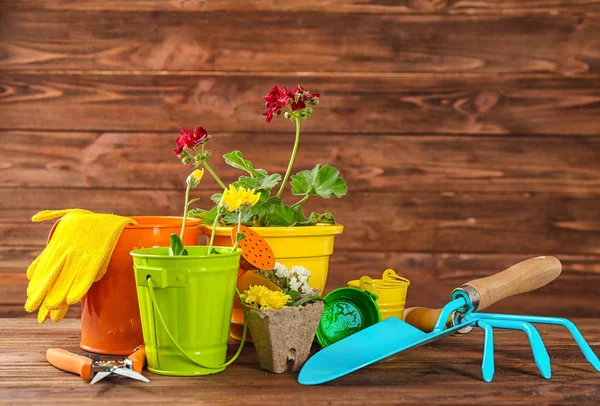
x,y
77,255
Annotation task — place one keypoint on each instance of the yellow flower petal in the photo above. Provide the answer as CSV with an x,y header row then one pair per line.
x,y
263,298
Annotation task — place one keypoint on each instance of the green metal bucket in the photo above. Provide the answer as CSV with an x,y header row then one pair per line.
x,y
185,308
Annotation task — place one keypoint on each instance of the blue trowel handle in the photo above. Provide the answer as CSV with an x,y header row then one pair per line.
x,y
525,276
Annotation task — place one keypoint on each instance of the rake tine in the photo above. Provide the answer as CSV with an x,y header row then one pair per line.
x,y
487,364
568,324
540,354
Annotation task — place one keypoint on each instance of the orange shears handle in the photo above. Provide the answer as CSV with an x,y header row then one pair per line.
x,y
138,357
67,361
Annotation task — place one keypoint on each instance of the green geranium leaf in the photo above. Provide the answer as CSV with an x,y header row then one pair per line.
x,y
260,211
321,181
207,216
280,215
236,160
216,198
326,217
231,219
176,248
260,182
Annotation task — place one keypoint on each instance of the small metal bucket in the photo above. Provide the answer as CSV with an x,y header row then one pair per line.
x,y
391,290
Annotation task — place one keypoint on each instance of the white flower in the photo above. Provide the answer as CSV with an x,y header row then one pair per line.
x,y
300,271
281,271
307,289
295,284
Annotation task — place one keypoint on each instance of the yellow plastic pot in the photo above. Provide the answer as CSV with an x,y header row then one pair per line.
x,y
391,291
309,246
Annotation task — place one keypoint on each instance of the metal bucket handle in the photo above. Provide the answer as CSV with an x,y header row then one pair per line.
x,y
390,276
160,317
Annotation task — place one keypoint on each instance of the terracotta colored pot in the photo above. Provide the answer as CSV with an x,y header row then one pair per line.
x,y
110,316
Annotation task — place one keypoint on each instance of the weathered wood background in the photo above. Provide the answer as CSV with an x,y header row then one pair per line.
x,y
468,131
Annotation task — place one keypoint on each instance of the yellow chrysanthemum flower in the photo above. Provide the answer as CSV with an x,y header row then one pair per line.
x,y
231,199
263,298
234,198
249,197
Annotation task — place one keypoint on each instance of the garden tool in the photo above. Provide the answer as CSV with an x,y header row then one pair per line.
x,y
94,370
256,252
488,321
394,335
76,256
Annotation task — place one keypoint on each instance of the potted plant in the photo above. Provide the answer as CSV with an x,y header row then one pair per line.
x,y
283,322
296,239
186,292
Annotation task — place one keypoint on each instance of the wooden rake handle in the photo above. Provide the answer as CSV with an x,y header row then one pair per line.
x,y
525,276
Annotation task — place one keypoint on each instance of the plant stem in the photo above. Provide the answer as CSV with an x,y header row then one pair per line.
x,y
214,229
185,210
238,231
299,202
214,175
292,158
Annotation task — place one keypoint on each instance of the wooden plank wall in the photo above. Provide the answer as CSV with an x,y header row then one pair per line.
x,y
468,131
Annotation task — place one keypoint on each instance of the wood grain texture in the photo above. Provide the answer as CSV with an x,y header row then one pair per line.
x,y
469,7
561,166
325,42
467,129
433,277
381,222
427,375
382,104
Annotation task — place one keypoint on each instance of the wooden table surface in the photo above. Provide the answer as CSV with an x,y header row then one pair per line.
x,y
446,372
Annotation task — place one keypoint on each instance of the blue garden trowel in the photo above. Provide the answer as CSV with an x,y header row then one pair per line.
x,y
394,335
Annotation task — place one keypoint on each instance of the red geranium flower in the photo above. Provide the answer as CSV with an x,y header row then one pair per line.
x,y
275,101
181,144
190,139
297,99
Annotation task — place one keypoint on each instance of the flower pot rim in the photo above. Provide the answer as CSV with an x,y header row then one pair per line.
x,y
296,231
145,253
161,222
244,305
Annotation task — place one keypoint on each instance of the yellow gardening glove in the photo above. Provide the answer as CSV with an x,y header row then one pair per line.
x,y
77,255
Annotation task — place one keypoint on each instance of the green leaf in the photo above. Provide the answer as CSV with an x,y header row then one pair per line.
x,y
239,237
261,182
326,217
280,215
306,300
236,160
260,211
176,248
207,216
320,181
216,198
294,294
231,219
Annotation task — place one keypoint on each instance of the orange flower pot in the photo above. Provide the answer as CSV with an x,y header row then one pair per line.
x,y
110,316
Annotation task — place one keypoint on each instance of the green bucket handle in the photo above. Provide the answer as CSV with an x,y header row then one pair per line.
x,y
162,321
